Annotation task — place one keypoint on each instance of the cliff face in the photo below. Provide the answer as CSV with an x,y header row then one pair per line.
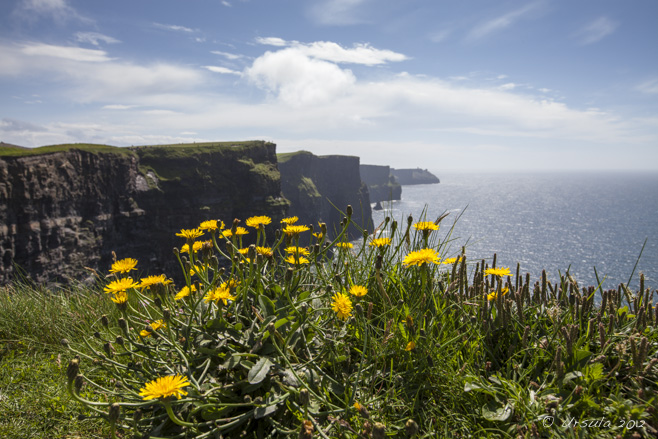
x,y
382,186
315,184
68,209
414,176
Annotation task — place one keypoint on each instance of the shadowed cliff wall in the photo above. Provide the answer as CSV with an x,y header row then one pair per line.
x,y
315,184
70,207
382,186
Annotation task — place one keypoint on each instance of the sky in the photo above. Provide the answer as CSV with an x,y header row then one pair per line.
x,y
439,84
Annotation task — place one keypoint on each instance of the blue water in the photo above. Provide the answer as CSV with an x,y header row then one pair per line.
x,y
552,221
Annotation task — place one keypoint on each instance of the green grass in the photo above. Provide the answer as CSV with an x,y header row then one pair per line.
x,y
51,149
428,350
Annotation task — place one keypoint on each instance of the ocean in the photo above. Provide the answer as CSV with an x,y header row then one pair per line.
x,y
546,220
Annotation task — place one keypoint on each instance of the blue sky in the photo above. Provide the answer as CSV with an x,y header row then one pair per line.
x,y
438,84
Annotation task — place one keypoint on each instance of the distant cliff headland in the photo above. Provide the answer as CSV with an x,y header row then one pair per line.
x,y
414,176
67,207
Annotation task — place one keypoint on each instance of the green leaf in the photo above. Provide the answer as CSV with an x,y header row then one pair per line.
x,y
260,370
572,376
267,306
496,411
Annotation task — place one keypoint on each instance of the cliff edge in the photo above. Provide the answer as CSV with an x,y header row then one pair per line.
x,y
382,186
414,176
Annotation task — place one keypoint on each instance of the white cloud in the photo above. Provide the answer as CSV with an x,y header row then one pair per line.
x,y
502,22
329,51
65,52
298,79
439,36
508,86
225,3
223,70
57,10
596,30
88,75
231,56
118,107
94,38
649,87
337,12
173,27
271,41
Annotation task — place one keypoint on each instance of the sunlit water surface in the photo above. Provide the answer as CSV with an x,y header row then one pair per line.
x,y
552,221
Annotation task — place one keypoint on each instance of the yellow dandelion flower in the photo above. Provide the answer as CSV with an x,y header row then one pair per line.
x,y
184,292
344,245
124,265
149,281
221,293
155,325
300,260
357,406
164,387
211,225
298,250
426,225
494,294
120,285
265,251
243,251
420,257
292,230
190,233
290,220
342,306
497,272
120,297
358,290
198,268
241,231
258,221
451,261
231,283
410,346
380,242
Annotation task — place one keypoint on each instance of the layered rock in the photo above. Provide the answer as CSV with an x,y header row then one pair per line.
x,y
382,186
70,207
320,188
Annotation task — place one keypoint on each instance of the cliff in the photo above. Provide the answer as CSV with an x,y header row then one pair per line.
x,y
63,208
414,176
382,186
320,187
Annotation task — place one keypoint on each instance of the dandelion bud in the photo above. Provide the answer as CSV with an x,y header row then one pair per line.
x,y
316,249
109,350
73,369
394,227
119,340
378,262
288,275
251,253
234,226
115,411
358,309
79,382
247,399
400,303
123,324
97,335
310,227
157,302
104,321
323,228
422,332
166,315
378,431
410,220
411,428
304,397
369,315
65,343
349,210
271,328
365,235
